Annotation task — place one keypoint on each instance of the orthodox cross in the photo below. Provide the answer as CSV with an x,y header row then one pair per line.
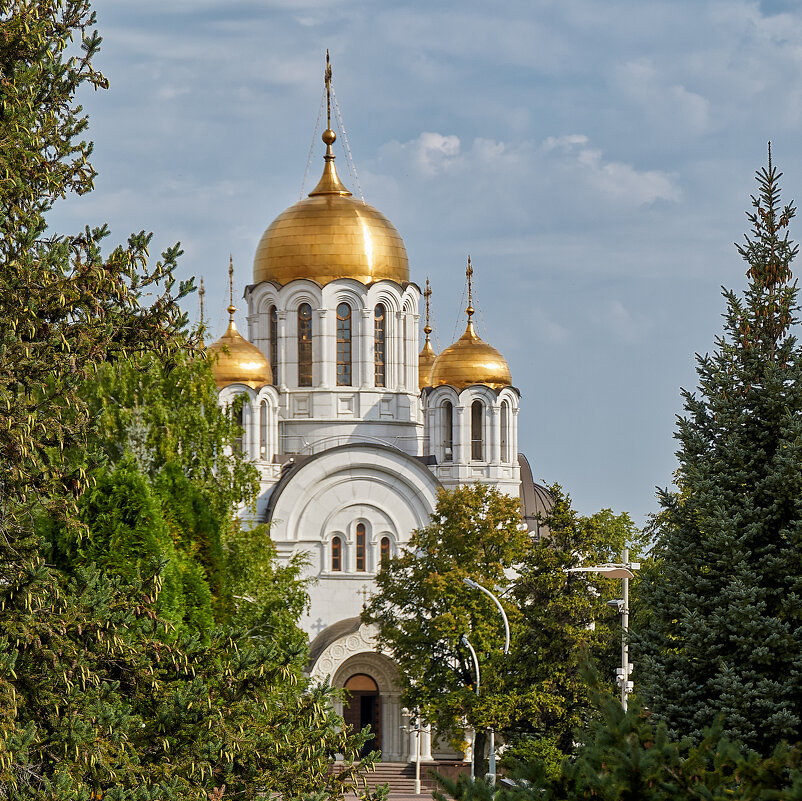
x,y
327,79
427,293
231,307
469,274
364,593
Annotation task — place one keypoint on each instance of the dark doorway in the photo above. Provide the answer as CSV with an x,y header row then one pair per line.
x,y
362,708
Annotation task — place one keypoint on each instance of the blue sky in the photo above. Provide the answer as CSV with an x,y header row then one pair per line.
x,y
594,158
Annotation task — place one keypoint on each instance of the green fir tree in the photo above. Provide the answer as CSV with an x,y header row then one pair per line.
x,y
724,596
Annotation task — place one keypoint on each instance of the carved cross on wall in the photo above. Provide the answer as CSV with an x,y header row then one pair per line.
x,y
365,593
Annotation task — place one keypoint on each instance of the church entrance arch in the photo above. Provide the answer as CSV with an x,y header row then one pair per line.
x,y
362,707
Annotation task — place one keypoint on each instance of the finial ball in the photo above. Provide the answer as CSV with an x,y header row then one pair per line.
x,y
329,137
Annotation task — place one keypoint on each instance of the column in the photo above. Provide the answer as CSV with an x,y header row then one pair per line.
x,y
396,378
494,435
462,443
282,348
365,350
324,351
426,743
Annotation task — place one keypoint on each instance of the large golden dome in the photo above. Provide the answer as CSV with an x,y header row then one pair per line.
x,y
330,235
237,361
470,360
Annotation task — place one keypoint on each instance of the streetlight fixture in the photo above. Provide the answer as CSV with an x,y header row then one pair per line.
x,y
624,572
476,586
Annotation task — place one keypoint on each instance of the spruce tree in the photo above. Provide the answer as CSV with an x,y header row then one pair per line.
x,y
725,596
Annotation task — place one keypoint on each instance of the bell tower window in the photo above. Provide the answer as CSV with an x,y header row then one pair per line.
x,y
336,555
360,547
477,443
343,345
274,344
384,552
448,432
505,435
304,345
263,430
380,345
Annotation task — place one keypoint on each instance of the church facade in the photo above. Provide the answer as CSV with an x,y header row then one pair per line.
x,y
354,429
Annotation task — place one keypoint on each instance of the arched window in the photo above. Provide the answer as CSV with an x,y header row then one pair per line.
x,y
263,430
505,418
274,344
477,445
384,552
380,345
343,345
336,554
360,547
448,432
304,345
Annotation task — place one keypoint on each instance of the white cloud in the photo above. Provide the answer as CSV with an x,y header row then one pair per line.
x,y
614,179
665,102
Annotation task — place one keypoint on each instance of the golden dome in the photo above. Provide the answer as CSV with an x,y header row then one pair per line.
x,y
425,362
470,360
330,235
237,361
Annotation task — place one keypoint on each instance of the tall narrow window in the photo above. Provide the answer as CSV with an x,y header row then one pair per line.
x,y
263,430
360,547
343,345
477,445
448,432
336,554
239,419
505,451
304,345
380,345
274,344
384,552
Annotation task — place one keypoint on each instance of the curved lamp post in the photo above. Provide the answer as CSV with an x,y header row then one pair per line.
x,y
476,586
624,572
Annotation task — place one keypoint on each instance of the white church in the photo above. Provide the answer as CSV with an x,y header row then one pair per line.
x,y
354,429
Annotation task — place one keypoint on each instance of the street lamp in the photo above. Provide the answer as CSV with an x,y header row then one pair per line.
x,y
467,643
624,572
476,586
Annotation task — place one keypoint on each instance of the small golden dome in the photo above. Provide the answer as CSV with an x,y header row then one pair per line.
x,y
470,360
237,361
330,235
425,363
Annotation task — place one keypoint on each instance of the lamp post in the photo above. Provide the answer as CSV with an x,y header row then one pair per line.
x,y
624,572
492,760
467,643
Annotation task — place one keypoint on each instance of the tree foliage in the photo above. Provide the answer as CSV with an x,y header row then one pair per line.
x,y
423,607
631,757
725,619
100,696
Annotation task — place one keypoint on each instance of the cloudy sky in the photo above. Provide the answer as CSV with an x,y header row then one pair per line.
x,y
594,157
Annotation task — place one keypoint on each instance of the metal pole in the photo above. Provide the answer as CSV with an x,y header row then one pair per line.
x,y
467,644
492,761
624,633
417,755
477,586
